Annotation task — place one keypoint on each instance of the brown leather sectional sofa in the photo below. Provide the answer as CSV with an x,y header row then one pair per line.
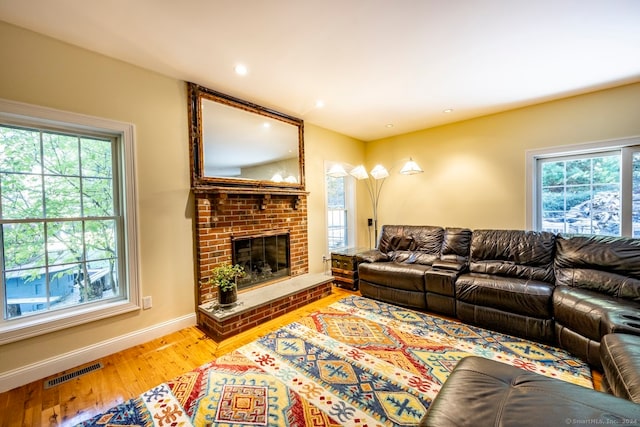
x,y
570,291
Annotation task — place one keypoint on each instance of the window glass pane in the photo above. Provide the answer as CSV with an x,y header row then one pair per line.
x,y
96,158
23,245
97,197
578,199
26,291
103,278
553,199
60,154
64,242
19,150
100,239
21,196
578,171
62,196
606,170
64,287
335,191
553,173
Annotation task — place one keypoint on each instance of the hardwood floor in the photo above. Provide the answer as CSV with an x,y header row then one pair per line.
x,y
128,373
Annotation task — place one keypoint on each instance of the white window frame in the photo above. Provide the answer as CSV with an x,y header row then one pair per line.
x,y
16,329
624,145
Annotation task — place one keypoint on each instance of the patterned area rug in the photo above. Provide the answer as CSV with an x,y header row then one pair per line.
x,y
358,362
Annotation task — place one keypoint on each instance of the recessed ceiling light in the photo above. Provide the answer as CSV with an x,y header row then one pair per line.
x,y
266,125
319,103
241,70
389,125
448,110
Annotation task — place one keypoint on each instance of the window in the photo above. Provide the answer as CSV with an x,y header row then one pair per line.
x,y
590,189
340,218
66,214
337,229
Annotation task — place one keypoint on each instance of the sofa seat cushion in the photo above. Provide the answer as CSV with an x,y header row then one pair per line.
x,y
526,297
482,392
394,275
620,356
594,314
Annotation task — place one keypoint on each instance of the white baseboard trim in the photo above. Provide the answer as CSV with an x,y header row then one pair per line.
x,y
44,368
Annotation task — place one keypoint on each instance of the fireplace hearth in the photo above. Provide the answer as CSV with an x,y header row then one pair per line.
x,y
264,257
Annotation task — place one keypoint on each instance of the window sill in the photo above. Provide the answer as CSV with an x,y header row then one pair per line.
x,y
40,325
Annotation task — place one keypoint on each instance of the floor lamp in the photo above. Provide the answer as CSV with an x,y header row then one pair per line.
x,y
374,180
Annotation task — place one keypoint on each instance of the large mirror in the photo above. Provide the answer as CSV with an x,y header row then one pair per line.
x,y
236,143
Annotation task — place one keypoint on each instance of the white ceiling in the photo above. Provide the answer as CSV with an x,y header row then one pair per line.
x,y
372,62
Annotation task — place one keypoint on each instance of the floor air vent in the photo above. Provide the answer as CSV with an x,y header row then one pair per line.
x,y
71,375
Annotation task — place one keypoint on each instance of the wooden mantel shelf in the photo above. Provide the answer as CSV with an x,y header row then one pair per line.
x,y
248,190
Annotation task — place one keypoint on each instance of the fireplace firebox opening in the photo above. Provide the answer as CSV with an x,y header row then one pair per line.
x,y
264,257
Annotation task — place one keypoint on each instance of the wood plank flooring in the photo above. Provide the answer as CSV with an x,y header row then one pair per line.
x,y
128,373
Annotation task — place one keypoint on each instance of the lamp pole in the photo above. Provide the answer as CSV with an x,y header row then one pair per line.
x,y
374,186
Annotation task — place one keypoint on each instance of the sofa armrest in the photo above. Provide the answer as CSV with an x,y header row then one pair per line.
x,y
450,265
373,255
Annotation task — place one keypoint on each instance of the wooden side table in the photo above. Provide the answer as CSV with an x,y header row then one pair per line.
x,y
344,267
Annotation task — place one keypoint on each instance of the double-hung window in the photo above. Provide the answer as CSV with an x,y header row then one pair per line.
x,y
588,189
340,212
67,220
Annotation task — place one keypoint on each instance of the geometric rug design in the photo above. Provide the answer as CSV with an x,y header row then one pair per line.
x,y
358,362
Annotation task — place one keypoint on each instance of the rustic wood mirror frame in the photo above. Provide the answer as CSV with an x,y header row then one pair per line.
x,y
199,179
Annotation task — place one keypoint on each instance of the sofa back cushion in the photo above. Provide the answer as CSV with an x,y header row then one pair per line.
x,y
604,264
411,244
455,245
515,253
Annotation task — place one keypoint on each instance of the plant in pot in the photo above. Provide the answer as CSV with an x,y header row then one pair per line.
x,y
224,278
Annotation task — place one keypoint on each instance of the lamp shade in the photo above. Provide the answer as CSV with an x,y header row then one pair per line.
x,y
359,172
379,172
410,168
337,171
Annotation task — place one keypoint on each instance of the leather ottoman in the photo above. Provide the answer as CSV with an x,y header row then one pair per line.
x,y
482,392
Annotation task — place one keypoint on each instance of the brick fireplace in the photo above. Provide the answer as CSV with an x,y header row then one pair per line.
x,y
227,215
223,216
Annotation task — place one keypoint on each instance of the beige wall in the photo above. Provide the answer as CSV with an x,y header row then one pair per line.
x,y
475,170
53,74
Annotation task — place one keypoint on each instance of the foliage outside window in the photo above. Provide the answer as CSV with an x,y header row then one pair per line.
x,y
63,225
